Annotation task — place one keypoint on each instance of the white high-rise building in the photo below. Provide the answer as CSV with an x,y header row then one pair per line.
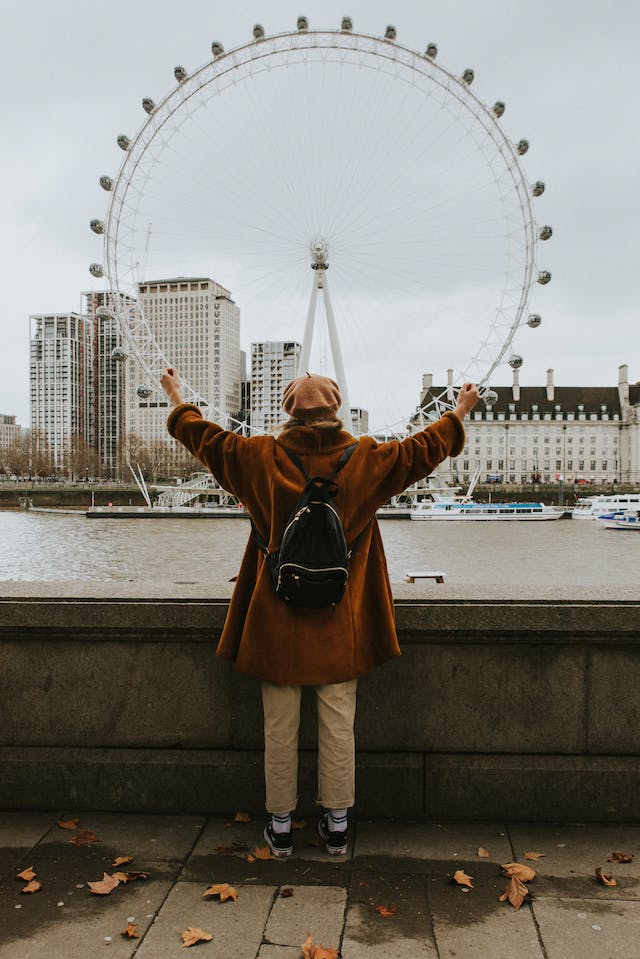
x,y
196,324
61,370
273,365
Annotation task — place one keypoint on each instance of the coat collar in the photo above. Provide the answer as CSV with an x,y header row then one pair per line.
x,y
308,439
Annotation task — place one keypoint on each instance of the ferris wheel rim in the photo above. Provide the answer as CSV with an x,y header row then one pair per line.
x,y
282,45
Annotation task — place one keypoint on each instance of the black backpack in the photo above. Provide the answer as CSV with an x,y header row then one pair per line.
x,y
311,567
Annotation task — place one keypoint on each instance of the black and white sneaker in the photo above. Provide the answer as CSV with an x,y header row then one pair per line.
x,y
280,843
335,842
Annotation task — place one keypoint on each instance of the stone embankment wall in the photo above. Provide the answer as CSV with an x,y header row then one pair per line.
x,y
78,495
511,708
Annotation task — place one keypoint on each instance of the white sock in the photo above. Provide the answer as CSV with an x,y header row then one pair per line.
x,y
281,823
337,820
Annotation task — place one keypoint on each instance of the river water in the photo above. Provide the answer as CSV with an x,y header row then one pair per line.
x,y
44,546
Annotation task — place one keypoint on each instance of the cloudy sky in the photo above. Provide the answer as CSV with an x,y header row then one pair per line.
x,y
75,72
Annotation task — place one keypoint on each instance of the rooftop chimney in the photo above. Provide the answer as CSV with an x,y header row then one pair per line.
x,y
623,385
516,385
450,385
549,384
427,381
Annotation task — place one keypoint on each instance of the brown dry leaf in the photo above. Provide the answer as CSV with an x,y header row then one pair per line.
x,y
287,892
533,856
223,850
130,930
515,892
519,870
321,952
387,912
192,935
32,886
462,879
27,874
298,823
84,838
605,880
619,857
105,885
483,853
308,948
222,889
126,877
68,823
242,817
120,861
262,852
250,858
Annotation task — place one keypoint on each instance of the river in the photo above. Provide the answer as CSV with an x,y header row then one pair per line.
x,y
47,547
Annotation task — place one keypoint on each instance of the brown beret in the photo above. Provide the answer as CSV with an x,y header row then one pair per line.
x,y
311,395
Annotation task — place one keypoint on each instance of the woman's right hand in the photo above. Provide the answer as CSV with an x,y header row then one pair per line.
x,y
467,399
170,383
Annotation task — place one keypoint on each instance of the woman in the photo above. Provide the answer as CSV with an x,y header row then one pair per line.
x,y
288,647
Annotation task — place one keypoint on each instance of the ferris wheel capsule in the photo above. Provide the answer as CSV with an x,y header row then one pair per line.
x,y
347,25
468,76
103,313
499,108
534,320
148,105
217,49
96,269
106,182
302,24
390,33
515,361
544,277
97,226
143,392
258,32
431,51
490,397
538,188
124,142
522,146
119,356
180,74
545,233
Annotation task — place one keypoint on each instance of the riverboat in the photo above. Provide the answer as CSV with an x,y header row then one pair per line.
x,y
459,510
592,507
628,519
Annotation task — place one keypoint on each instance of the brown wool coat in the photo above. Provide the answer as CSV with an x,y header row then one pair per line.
x,y
262,635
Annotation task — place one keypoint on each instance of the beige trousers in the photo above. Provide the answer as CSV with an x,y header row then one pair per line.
x,y
336,705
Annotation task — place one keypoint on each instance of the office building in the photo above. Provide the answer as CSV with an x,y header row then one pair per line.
x,y
109,407
274,363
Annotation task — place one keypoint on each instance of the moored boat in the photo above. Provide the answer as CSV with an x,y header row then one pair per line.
x,y
458,510
627,519
592,507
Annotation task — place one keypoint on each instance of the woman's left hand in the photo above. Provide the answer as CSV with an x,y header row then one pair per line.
x,y
170,383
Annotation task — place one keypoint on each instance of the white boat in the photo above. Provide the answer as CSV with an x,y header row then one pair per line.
x,y
628,519
591,507
460,510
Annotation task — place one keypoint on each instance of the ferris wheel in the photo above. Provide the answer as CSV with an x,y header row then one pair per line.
x,y
354,195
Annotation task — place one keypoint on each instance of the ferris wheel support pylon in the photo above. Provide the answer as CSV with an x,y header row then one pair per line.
x,y
320,265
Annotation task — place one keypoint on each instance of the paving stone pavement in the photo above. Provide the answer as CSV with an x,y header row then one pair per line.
x,y
407,867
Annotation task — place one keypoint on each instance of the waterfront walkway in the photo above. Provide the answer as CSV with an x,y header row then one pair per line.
x,y
405,867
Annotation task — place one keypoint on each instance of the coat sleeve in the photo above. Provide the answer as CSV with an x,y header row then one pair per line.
x,y
226,455
400,464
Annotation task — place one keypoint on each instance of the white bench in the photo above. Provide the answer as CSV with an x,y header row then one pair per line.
x,y
438,575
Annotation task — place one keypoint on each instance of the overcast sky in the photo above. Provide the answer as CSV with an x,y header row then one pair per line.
x,y
75,72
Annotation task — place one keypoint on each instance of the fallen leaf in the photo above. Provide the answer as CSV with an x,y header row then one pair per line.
x,y
533,855
105,885
515,892
308,948
386,911
250,858
222,889
84,838
223,850
483,853
287,892
605,880
68,823
120,861
262,852
298,823
311,951
519,870
192,935
27,874
619,857
242,817
462,879
32,886
126,877
130,930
